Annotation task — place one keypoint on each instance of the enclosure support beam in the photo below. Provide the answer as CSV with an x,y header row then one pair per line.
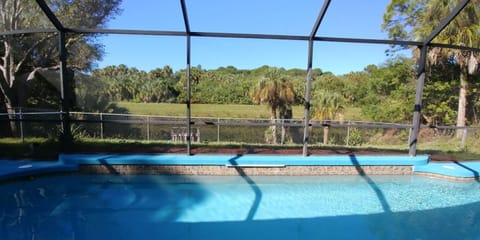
x,y
307,99
50,15
320,17
187,72
418,102
64,81
308,85
421,75
189,117
64,94
444,23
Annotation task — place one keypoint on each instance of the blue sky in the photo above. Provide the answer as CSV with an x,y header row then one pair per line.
x,y
345,18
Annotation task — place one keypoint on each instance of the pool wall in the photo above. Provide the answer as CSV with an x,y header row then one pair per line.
x,y
255,164
250,170
267,165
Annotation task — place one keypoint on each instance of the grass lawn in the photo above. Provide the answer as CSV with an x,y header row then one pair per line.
x,y
219,110
204,110
47,149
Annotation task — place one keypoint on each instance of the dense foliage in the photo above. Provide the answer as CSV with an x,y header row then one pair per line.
x,y
417,19
217,86
385,93
28,57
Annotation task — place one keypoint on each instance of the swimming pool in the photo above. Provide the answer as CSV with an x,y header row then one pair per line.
x,y
239,207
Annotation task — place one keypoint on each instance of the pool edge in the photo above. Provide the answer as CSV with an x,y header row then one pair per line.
x,y
230,164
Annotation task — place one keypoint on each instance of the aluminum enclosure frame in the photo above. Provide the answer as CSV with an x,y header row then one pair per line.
x,y
311,39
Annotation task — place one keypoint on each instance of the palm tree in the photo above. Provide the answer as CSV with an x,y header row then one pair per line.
x,y
327,106
417,19
278,93
462,31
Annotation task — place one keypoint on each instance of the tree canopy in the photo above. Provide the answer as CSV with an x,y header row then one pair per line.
x,y
382,92
416,19
23,57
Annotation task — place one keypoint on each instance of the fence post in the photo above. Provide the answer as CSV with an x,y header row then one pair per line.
x,y
409,135
22,136
148,128
464,139
348,133
101,126
218,130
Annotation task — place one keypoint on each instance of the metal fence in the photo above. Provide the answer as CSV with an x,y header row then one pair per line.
x,y
236,130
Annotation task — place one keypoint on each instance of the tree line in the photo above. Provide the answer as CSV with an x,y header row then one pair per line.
x,y
384,93
29,62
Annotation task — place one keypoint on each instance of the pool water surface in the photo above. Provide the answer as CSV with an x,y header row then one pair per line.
x,y
240,207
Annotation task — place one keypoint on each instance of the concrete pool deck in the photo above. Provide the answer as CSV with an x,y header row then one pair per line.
x,y
22,168
281,164
466,170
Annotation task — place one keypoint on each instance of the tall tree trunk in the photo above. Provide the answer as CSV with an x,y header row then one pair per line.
x,y
462,101
11,117
283,110
274,125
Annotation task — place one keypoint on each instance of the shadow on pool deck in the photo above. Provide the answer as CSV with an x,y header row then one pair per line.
x,y
475,172
251,183
108,166
371,183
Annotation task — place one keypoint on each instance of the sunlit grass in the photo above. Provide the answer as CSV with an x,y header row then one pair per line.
x,y
204,110
220,110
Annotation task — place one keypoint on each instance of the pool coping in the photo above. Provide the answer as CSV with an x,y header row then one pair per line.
x,y
10,169
244,160
72,163
455,170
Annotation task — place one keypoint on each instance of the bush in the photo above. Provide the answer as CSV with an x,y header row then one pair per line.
x,y
355,137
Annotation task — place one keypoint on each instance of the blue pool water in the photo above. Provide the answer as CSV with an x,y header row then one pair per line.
x,y
243,207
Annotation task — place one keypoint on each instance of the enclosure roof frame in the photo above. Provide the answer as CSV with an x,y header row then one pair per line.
x,y
50,15
444,23
428,41
311,38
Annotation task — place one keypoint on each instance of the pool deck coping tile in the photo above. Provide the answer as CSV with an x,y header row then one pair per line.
x,y
70,162
22,168
464,169
241,160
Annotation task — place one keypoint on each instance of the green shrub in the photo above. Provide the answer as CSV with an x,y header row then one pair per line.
x,y
355,137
